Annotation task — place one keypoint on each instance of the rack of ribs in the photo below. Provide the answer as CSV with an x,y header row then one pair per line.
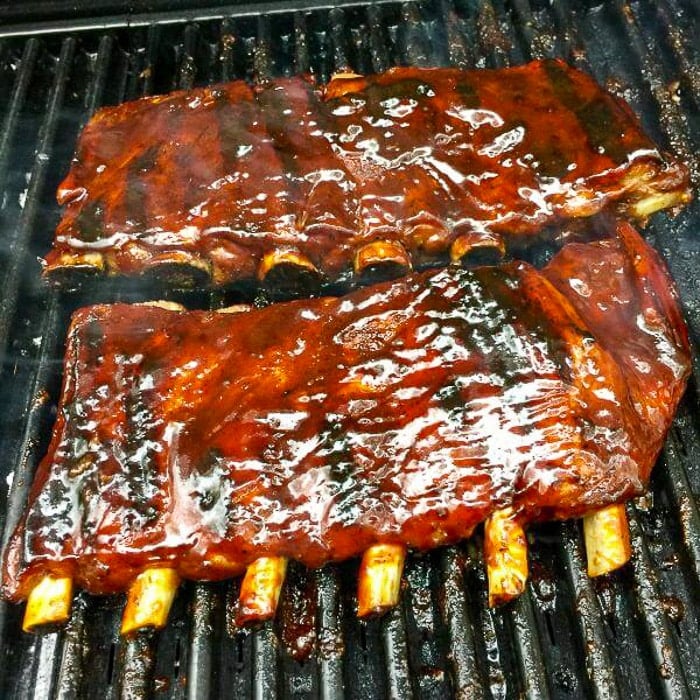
x,y
233,183
401,416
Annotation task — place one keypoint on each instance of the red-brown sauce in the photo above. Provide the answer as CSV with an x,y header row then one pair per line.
x,y
406,412
222,175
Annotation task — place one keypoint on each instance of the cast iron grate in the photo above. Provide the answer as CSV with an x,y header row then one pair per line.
x,y
633,634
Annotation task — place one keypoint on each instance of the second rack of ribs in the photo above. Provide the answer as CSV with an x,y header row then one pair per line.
x,y
407,412
214,179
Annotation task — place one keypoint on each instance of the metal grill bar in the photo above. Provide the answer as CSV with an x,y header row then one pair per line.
x,y
443,641
330,640
678,486
590,622
394,641
460,624
529,648
670,677
19,93
13,273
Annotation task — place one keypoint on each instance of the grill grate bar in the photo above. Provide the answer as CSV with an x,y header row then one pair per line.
x,y
396,655
135,675
329,633
200,663
460,51
17,100
377,46
152,46
591,630
48,651
660,641
263,67
95,94
415,47
529,648
424,627
70,672
671,114
226,50
234,652
186,72
302,63
497,651
265,663
460,625
678,485
494,37
680,30
341,51
20,236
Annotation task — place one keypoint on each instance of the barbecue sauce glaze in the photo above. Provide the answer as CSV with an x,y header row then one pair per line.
x,y
406,412
214,178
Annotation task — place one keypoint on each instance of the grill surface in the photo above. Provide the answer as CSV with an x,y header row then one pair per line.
x,y
636,633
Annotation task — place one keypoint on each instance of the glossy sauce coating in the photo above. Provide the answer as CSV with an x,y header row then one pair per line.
x,y
406,412
217,177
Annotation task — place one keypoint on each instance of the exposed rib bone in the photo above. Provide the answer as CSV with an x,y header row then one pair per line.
x,y
287,272
260,590
163,304
48,603
149,600
657,201
478,247
380,253
234,309
72,267
431,238
379,580
652,194
287,257
91,259
607,538
345,75
505,552
180,266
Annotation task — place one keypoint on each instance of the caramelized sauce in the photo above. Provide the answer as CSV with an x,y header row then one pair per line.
x,y
406,412
418,156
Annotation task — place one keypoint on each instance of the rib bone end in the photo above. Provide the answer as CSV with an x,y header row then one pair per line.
x,y
149,600
607,537
505,551
49,603
384,254
261,589
657,201
380,579
477,248
72,268
287,257
288,273
163,304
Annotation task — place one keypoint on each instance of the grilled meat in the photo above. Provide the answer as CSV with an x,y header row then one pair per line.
x,y
226,182
405,413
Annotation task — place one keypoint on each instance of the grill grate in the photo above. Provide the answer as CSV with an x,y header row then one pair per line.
x,y
632,634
